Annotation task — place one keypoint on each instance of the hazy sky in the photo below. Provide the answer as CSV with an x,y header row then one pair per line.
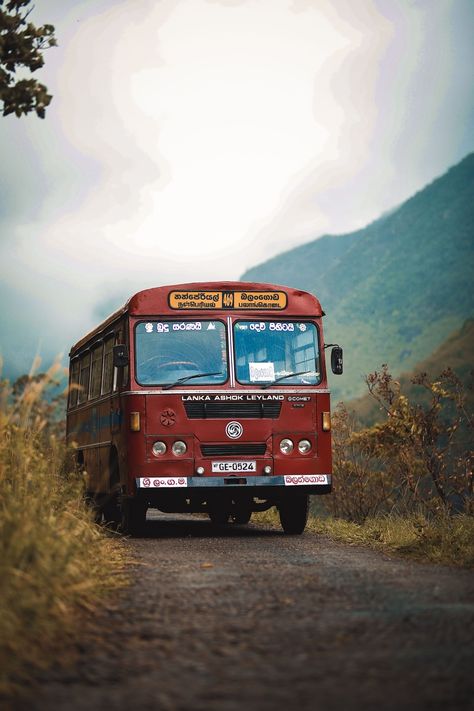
x,y
191,139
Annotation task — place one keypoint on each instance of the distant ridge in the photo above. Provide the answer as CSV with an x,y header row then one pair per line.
x,y
396,289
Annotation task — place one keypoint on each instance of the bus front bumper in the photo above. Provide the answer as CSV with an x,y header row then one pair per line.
x,y
312,483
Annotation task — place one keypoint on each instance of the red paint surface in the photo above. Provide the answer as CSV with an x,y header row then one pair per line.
x,y
99,426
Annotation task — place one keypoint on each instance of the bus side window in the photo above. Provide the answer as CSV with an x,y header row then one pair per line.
x,y
96,371
73,382
108,374
84,377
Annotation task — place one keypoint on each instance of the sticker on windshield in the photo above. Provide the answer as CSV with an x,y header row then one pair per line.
x,y
262,372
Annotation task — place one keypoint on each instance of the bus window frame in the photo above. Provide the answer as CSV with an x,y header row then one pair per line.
x,y
83,394
109,337
288,319
95,346
73,394
169,319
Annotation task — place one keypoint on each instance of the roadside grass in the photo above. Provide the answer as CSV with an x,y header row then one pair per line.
x,y
55,563
443,539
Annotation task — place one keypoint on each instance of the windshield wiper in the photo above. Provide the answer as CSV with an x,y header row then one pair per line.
x,y
189,377
283,377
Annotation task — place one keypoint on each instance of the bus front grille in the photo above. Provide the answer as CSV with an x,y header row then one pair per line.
x,y
233,450
230,410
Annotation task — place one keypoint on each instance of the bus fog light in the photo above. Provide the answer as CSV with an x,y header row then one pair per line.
x,y
267,469
158,449
286,446
179,448
304,446
200,470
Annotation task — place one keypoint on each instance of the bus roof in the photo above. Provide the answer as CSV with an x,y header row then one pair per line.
x,y
156,301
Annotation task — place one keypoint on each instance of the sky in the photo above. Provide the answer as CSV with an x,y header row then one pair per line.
x,y
189,140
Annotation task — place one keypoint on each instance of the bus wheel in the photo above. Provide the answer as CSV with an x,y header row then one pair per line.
x,y
111,510
133,517
94,506
111,505
219,517
294,514
241,515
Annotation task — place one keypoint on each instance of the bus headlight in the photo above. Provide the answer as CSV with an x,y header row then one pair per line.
x,y
158,449
286,446
304,446
179,448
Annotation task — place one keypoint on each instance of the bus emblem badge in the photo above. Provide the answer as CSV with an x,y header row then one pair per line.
x,y
168,418
234,430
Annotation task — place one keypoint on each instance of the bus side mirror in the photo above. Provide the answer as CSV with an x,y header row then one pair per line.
x,y
336,360
120,356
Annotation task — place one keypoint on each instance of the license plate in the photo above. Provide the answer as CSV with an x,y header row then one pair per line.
x,y
225,467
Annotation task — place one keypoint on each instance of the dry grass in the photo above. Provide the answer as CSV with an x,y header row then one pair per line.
x,y
54,561
447,540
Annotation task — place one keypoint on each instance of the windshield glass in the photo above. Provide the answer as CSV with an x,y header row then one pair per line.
x,y
168,351
266,351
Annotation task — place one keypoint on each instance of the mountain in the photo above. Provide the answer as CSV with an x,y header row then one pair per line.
x,y
396,289
457,351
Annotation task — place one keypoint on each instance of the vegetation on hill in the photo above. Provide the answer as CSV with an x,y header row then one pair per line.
x,y
457,351
396,289
419,457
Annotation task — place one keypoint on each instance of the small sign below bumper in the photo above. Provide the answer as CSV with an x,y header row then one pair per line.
x,y
169,482
306,479
161,482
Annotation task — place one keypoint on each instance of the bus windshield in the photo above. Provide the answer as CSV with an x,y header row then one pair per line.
x,y
169,352
270,351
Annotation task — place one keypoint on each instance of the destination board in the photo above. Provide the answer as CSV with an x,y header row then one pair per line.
x,y
232,300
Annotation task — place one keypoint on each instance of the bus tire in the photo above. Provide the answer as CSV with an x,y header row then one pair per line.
x,y
219,517
241,515
111,505
133,517
294,514
92,503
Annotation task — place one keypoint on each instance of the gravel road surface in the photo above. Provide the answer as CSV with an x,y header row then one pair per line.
x,y
244,617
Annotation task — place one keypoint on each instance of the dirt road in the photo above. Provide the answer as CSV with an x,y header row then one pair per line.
x,y
247,618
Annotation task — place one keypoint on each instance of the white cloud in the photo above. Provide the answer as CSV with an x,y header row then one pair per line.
x,y
200,115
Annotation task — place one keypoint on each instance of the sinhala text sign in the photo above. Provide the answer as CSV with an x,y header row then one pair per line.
x,y
235,300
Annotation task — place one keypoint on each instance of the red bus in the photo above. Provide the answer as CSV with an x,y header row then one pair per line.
x,y
207,397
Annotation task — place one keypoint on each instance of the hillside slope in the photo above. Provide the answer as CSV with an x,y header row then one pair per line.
x,y
457,352
396,289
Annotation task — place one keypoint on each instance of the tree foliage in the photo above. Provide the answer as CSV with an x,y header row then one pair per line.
x,y
21,50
